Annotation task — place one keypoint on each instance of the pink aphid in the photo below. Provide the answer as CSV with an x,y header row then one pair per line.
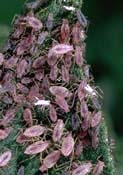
x,y
60,49
8,117
11,62
23,89
26,80
39,62
78,56
5,158
62,103
39,74
22,68
58,130
33,22
65,74
34,131
82,169
22,139
50,160
4,133
81,90
96,119
86,123
67,145
59,91
84,109
52,113
27,116
76,33
54,73
1,59
68,60
65,30
98,168
37,147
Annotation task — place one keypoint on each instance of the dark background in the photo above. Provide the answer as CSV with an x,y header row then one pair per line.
x,y
104,53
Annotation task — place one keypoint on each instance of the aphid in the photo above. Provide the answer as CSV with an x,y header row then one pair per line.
x,y
78,148
68,60
65,74
54,73
34,92
21,68
78,56
11,62
42,37
81,18
5,158
83,169
96,119
58,130
52,60
21,170
23,89
41,102
33,22
86,123
65,30
96,102
60,49
19,98
59,91
35,5
49,23
98,168
39,74
86,71
1,59
81,90
8,117
76,33
27,116
22,139
62,103
50,160
37,147
18,31
75,122
24,44
52,113
26,80
94,137
69,8
84,109
90,90
67,145
7,99
39,62
4,133
34,131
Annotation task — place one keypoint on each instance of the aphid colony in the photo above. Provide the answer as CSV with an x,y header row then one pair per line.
x,y
35,78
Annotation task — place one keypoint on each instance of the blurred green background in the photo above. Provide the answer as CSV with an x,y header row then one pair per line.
x,y
104,53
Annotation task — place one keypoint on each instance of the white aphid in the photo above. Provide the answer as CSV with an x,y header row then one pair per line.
x,y
69,8
90,90
41,102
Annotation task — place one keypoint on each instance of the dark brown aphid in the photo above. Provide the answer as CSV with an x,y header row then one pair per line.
x,y
65,30
21,170
50,21
98,168
82,19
